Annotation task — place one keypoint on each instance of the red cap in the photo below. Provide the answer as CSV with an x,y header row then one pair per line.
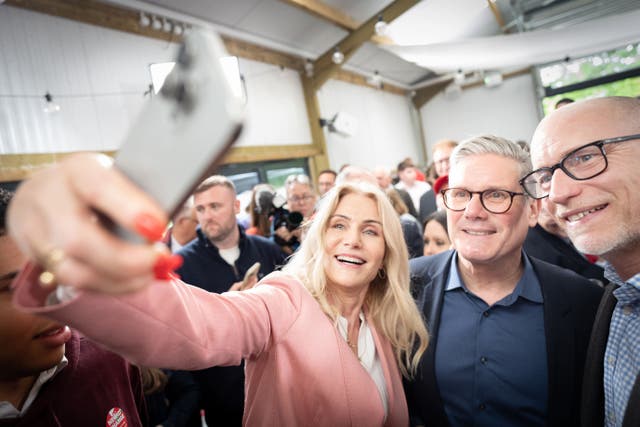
x,y
440,183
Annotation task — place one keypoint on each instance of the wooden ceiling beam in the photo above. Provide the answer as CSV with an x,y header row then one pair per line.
x,y
326,12
324,66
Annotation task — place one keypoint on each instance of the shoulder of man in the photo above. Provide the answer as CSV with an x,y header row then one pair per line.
x,y
576,287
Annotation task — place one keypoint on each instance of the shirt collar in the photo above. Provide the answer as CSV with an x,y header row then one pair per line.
x,y
7,410
629,291
527,287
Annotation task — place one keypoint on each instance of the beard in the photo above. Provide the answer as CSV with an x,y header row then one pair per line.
x,y
216,232
605,242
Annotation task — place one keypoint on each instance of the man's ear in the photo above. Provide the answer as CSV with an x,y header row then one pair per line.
x,y
534,210
236,206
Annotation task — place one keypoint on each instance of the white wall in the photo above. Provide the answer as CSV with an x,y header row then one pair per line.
x,y
276,111
386,131
98,77
508,110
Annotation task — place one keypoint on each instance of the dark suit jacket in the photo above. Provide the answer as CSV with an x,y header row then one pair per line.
x,y
545,246
592,412
570,304
427,205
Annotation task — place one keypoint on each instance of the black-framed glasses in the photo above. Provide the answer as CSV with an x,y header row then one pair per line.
x,y
585,162
494,200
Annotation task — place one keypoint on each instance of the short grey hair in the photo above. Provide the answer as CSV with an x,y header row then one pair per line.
x,y
490,144
299,179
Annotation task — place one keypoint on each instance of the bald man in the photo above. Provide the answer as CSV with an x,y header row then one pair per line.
x,y
585,158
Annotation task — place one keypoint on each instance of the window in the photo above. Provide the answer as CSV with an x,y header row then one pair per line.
x,y
615,72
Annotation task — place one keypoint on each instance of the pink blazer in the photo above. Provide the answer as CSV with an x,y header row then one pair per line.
x,y
299,370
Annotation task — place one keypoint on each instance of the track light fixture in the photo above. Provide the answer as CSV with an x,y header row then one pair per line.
x,y
308,67
156,23
50,107
380,27
144,21
337,57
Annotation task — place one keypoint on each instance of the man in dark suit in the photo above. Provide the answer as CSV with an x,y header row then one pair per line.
x,y
508,333
440,153
586,156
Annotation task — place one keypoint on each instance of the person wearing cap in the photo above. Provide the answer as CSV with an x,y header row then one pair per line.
x,y
509,332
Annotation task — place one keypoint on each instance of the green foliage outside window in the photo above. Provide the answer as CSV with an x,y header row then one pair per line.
x,y
564,73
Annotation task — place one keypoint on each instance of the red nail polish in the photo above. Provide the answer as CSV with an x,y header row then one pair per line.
x,y
165,265
149,227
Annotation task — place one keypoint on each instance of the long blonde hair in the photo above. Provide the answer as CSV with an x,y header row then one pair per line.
x,y
388,300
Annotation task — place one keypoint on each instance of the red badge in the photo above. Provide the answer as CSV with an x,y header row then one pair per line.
x,y
116,418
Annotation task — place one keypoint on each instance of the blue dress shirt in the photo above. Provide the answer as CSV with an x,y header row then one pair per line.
x,y
491,361
622,356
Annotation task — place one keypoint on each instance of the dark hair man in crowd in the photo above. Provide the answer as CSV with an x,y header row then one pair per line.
x,y
509,333
586,159
217,261
326,181
49,375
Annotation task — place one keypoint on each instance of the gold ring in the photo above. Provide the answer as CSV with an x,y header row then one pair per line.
x,y
50,263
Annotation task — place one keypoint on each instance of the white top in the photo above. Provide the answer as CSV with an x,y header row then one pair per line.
x,y
230,255
368,356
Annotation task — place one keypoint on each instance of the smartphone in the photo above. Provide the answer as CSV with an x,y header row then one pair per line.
x,y
182,134
251,272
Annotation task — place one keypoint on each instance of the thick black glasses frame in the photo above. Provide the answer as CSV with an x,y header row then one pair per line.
x,y
560,165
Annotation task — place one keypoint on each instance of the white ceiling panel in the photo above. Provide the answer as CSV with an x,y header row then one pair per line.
x,y
223,12
282,23
359,10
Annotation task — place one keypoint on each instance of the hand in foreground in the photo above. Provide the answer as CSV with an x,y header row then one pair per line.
x,y
53,219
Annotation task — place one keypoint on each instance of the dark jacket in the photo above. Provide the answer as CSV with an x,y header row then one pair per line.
x,y
570,304
204,267
592,412
427,205
222,388
550,248
94,382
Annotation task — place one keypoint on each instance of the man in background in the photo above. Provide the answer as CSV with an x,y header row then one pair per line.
x,y
383,176
326,181
409,182
440,153
183,229
217,261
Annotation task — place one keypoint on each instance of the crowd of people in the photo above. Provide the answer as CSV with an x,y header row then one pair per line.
x,y
500,286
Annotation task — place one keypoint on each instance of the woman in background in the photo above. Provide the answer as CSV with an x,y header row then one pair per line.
x,y
436,234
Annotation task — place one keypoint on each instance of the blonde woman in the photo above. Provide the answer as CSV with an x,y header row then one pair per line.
x,y
325,342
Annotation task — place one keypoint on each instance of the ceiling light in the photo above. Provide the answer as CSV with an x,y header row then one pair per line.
x,y
167,26
459,77
156,23
50,107
337,57
308,67
178,29
380,27
492,78
144,20
375,80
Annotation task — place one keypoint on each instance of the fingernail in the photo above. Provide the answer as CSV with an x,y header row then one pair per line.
x,y
149,227
165,265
